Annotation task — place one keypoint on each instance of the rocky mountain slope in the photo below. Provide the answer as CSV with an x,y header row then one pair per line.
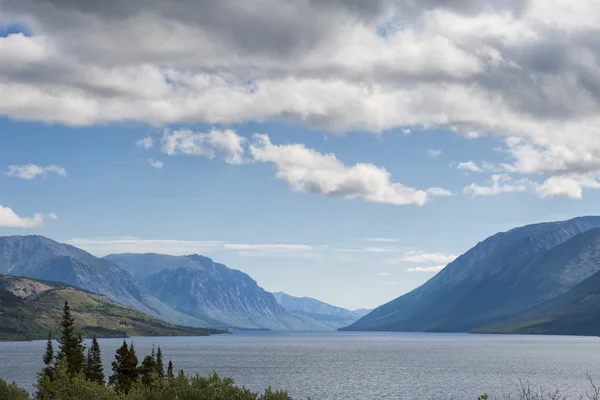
x,y
30,308
42,258
335,316
494,281
574,312
200,287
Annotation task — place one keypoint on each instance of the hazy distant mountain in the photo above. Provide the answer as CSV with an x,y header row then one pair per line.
x,y
336,316
200,287
495,280
574,312
31,308
41,258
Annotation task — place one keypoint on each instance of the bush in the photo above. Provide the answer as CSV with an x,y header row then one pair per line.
x,y
12,391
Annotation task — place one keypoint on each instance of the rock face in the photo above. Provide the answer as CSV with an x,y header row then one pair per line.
x,y
335,316
198,286
41,258
494,281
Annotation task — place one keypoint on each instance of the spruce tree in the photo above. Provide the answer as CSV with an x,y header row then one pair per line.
x,y
148,369
94,371
170,370
160,368
49,358
70,346
125,368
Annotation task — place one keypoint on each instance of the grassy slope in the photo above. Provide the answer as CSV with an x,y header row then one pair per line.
x,y
30,308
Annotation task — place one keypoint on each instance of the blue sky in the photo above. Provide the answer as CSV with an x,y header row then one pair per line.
x,y
328,149
113,200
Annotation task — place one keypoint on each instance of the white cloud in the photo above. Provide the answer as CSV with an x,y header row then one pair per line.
x,y
156,163
437,258
307,170
469,166
566,186
384,274
426,269
145,143
216,142
31,171
104,246
9,219
501,183
381,240
522,70
368,250
434,153
393,283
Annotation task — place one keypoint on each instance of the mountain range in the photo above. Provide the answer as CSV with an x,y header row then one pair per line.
x,y
30,308
541,278
185,290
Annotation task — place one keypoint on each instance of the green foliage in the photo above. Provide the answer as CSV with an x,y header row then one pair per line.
x,y
160,368
483,397
94,371
12,391
170,370
66,386
71,346
125,368
49,358
148,370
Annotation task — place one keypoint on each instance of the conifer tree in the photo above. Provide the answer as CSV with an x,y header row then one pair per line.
x,y
94,371
125,368
160,368
70,346
170,370
148,369
49,358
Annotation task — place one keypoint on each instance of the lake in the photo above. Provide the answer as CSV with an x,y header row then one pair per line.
x,y
347,365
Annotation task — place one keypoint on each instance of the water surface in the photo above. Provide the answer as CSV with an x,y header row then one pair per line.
x,y
347,365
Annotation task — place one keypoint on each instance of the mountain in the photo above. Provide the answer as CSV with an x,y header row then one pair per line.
x,y
335,316
574,312
30,308
198,286
42,258
496,280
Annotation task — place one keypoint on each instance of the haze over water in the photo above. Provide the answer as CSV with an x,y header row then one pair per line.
x,y
337,366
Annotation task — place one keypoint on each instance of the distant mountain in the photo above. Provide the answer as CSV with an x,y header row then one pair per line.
x,y
494,281
42,258
574,312
336,316
30,308
198,286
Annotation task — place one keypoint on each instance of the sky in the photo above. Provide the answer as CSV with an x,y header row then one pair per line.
x,y
339,149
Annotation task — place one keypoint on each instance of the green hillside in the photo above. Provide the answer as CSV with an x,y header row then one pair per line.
x,y
30,308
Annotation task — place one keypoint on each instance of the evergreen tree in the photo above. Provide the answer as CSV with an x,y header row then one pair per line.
x,y
49,358
170,370
148,369
125,368
70,346
160,368
94,371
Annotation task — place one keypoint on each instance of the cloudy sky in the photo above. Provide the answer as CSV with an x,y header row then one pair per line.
x,y
340,149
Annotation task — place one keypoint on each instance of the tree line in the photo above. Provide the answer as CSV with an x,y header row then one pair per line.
x,y
72,374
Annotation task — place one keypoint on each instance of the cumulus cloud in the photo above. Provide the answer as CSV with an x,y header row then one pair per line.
x,y
525,70
437,258
226,143
426,269
10,219
156,163
145,143
307,170
501,183
31,171
566,186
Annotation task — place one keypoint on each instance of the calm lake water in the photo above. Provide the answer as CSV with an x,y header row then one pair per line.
x,y
337,366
